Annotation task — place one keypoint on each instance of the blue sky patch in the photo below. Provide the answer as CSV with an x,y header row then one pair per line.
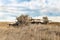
x,y
6,1
19,1
14,8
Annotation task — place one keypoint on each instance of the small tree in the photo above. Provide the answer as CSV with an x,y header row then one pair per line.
x,y
45,20
23,19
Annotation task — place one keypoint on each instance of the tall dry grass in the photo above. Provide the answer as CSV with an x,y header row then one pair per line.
x,y
30,32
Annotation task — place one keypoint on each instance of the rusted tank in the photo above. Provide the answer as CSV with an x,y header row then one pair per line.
x,y
35,21
44,20
25,19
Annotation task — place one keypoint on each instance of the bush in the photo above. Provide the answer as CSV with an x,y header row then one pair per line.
x,y
45,20
23,19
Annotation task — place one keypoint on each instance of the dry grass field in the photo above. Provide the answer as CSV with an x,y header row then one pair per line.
x,y
30,32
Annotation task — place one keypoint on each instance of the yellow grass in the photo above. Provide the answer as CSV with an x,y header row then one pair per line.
x,y
30,32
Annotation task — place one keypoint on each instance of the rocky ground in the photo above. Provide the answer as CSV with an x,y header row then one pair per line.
x,y
30,32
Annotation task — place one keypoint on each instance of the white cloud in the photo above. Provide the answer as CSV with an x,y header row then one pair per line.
x,y
52,6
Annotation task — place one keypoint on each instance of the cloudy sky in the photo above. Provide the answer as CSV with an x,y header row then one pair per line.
x,y
10,9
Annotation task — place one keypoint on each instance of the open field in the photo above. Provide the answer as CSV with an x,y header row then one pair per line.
x,y
30,32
